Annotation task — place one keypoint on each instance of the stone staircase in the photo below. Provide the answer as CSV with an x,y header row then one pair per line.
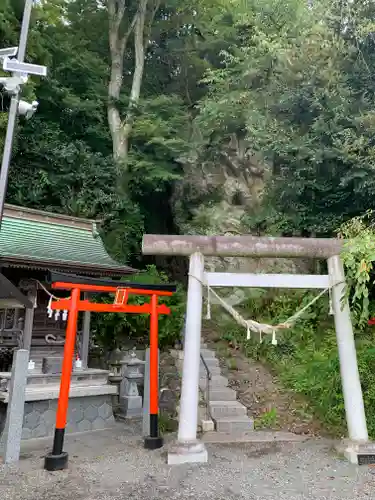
x,y
227,420
227,414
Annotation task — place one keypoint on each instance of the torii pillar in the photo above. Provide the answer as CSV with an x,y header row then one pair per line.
x,y
188,448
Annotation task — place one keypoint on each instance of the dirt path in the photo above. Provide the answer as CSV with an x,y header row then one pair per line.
x,y
271,405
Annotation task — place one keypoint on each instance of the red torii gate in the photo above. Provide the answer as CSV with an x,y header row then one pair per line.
x,y
58,459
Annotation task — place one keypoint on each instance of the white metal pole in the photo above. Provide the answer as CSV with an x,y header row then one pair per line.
x,y
351,385
12,117
187,430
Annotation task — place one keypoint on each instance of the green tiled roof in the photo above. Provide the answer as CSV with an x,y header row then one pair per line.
x,y
31,238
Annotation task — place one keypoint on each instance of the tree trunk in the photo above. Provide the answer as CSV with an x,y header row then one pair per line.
x,y
139,53
141,26
114,119
117,46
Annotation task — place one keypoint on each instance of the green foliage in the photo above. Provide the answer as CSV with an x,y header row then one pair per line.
x,y
160,138
232,364
166,423
358,256
63,158
306,357
113,329
295,84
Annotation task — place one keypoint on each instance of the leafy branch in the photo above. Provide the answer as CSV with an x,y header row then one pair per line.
x,y
359,256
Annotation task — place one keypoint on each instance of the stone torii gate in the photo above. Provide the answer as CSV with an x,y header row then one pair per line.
x,y
188,448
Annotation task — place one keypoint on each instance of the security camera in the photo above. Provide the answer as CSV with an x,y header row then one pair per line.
x,y
9,88
12,84
26,109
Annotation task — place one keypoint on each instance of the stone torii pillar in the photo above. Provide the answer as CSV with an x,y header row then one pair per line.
x,y
188,448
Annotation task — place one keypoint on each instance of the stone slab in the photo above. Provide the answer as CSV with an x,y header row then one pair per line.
x,y
252,437
234,425
208,353
38,378
52,392
214,370
211,362
215,380
227,409
222,394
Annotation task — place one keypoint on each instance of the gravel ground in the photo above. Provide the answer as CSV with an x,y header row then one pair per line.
x,y
112,465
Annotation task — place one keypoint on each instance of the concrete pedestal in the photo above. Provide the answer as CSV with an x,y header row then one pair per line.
x,y
131,406
357,453
189,452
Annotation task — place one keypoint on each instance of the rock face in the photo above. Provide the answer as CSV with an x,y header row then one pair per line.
x,y
224,194
222,191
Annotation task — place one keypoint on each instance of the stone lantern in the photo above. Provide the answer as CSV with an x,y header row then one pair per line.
x,y
115,366
130,399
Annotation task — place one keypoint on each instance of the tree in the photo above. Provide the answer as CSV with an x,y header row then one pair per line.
x,y
126,20
63,158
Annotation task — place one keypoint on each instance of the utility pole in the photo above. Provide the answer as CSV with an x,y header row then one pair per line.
x,y
13,110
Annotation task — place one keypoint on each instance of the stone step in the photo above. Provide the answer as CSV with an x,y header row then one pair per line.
x,y
208,354
217,381
214,370
234,424
203,345
222,394
221,409
210,362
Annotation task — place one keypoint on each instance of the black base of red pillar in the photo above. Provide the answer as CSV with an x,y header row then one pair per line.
x,y
57,459
153,441
56,462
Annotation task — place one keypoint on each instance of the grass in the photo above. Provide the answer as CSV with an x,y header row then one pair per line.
x,y
267,420
232,364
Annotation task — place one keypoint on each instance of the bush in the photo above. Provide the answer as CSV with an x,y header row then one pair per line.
x,y
113,330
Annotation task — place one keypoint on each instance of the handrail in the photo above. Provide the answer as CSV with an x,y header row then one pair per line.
x,y
207,398
208,377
